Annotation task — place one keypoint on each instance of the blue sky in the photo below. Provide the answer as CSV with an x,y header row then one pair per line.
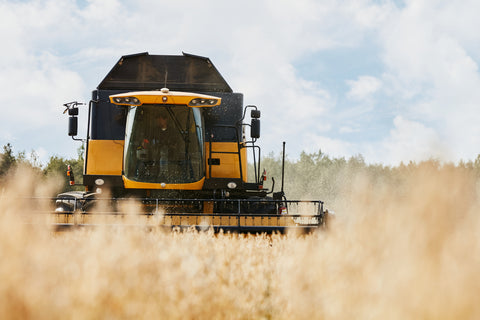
x,y
391,80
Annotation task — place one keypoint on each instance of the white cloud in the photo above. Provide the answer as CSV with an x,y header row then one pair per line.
x,y
363,88
332,147
431,73
346,129
426,77
33,93
408,140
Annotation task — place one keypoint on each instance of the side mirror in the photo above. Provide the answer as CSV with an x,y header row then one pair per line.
x,y
73,111
255,114
72,126
255,128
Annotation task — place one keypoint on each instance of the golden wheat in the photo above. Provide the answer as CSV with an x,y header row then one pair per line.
x,y
403,250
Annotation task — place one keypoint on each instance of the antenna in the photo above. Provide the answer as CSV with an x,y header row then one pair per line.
x,y
166,77
281,194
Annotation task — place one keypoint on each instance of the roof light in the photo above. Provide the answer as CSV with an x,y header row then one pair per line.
x,y
133,101
202,102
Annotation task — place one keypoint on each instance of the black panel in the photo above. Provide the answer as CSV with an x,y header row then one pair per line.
x,y
109,181
107,120
223,121
152,72
213,161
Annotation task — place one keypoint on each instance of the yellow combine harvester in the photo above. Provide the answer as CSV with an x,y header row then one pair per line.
x,y
169,132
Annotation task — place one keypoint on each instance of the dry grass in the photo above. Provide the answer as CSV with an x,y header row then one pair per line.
x,y
404,251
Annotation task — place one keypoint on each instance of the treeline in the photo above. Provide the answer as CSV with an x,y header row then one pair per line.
x,y
313,176
316,176
55,168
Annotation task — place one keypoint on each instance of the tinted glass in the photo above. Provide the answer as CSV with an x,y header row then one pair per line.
x,y
164,143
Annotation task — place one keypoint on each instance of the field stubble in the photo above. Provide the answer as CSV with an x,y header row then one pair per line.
x,y
404,250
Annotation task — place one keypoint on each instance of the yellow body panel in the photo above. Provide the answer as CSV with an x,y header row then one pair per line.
x,y
130,184
105,157
229,165
161,219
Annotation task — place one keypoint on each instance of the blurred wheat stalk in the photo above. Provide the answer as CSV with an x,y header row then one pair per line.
x,y
403,249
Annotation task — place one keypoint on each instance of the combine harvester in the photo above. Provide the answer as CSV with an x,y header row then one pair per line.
x,y
169,132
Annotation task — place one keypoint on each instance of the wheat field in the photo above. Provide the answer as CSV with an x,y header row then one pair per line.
x,y
403,250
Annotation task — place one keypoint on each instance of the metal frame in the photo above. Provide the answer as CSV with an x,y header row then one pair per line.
x,y
158,215
246,144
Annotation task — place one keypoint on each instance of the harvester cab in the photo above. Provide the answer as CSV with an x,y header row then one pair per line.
x,y
169,132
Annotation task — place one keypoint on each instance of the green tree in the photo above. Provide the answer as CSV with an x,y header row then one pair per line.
x,y
57,167
7,160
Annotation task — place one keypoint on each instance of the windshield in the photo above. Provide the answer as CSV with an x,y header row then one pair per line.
x,y
164,144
